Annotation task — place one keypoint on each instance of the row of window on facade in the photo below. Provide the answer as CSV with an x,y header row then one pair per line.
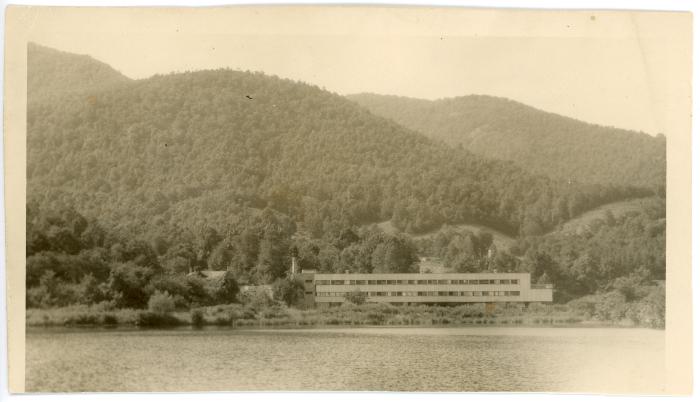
x,y
379,294
419,282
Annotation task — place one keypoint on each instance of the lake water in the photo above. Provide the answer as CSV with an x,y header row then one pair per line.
x,y
607,360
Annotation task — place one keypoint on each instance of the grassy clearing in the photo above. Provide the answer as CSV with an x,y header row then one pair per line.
x,y
584,220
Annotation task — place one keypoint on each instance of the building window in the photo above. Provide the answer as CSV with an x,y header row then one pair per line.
x,y
360,282
323,282
473,282
504,281
371,282
477,293
411,282
391,282
514,293
381,293
422,282
454,293
483,281
514,281
337,282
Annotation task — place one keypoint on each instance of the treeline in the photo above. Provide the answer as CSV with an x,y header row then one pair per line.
x,y
625,250
540,142
624,254
193,149
467,251
74,260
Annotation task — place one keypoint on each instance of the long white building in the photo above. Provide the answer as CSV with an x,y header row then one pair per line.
x,y
407,289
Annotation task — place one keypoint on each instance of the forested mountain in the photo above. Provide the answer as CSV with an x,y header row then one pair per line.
x,y
194,148
540,142
133,184
52,73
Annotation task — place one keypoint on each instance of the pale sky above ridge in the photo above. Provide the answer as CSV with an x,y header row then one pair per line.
x,y
622,69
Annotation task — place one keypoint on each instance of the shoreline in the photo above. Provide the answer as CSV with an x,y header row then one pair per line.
x,y
290,327
365,316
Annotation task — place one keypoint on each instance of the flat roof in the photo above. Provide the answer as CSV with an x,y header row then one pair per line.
x,y
457,275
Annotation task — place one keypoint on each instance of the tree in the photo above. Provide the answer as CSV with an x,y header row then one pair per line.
x,y
396,254
273,261
544,279
288,291
161,302
220,257
127,284
228,289
504,262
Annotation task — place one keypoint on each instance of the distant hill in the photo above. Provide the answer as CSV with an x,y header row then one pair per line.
x,y
540,142
52,73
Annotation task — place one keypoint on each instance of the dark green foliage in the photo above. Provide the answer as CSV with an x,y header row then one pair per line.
x,y
396,254
191,151
466,251
153,319
109,320
228,290
197,317
540,142
621,253
290,291
127,283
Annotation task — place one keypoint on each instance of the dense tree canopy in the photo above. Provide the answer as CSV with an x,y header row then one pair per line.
x,y
193,150
538,141
136,187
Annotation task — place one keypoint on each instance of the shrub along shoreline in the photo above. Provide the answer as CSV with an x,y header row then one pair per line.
x,y
371,314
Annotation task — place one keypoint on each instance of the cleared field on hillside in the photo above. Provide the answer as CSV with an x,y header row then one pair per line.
x,y
504,242
585,219
501,240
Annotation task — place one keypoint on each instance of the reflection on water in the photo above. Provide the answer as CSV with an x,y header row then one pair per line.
x,y
392,359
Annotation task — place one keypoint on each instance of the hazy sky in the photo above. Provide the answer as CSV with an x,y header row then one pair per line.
x,y
628,70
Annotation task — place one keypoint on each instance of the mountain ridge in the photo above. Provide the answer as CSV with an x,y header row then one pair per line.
x,y
218,140
539,141
53,73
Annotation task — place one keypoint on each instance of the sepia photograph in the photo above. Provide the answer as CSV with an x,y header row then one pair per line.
x,y
366,198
